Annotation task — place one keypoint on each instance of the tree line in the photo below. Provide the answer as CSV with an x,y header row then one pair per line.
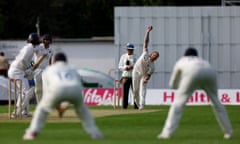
x,y
71,18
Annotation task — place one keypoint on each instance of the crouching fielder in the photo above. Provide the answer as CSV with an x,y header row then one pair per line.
x,y
61,83
189,74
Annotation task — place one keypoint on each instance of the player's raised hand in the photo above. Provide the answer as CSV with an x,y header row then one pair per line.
x,y
149,28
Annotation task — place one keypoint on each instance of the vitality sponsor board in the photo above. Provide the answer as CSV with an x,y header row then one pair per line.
x,y
105,96
101,96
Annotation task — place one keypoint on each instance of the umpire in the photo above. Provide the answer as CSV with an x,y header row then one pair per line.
x,y
126,64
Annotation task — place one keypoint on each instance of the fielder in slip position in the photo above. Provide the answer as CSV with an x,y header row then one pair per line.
x,y
189,74
142,71
44,49
61,83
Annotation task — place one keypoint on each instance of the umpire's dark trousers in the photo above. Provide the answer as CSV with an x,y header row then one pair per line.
x,y
127,84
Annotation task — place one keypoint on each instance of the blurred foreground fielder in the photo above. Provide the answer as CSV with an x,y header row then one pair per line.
x,y
189,74
61,83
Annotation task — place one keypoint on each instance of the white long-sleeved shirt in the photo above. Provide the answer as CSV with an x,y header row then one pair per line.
x,y
123,64
143,65
41,51
24,57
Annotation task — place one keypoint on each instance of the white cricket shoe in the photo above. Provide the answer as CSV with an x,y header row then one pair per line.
x,y
227,136
27,115
13,115
97,136
29,136
141,107
163,136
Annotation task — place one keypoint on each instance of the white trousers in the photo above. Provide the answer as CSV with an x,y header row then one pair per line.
x,y
51,100
207,82
139,89
38,85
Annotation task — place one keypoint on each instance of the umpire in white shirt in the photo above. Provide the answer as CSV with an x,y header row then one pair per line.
x,y
189,74
126,65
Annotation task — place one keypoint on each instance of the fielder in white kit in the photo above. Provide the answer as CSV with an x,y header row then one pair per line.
x,y
189,74
44,49
19,69
142,71
61,82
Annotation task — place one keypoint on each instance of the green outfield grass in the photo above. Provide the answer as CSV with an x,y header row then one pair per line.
x,y
198,126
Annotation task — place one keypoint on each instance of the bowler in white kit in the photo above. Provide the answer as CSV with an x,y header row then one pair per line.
x,y
189,74
142,71
61,82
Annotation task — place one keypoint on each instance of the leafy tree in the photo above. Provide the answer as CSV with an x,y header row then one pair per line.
x,y
71,18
